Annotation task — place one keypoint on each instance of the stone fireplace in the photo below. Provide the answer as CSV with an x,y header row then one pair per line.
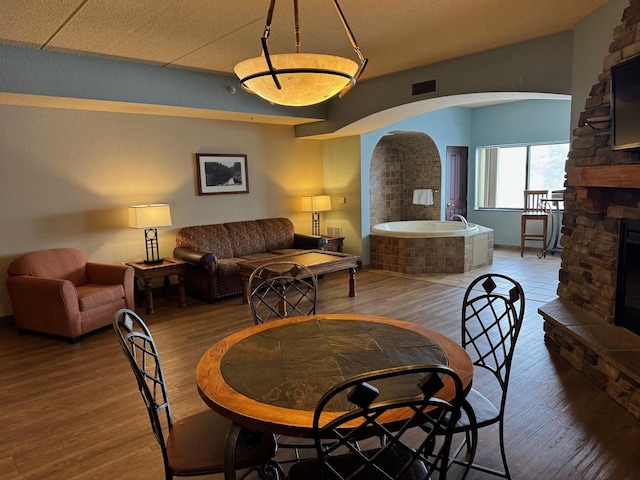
x,y
602,192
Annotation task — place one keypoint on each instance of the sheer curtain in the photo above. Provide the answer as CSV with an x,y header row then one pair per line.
x,y
487,186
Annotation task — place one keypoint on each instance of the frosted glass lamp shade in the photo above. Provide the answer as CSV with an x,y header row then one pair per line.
x,y
305,78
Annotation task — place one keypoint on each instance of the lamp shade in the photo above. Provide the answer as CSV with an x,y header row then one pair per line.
x,y
149,216
316,203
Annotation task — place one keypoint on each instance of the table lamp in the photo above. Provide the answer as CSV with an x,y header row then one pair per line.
x,y
149,217
316,204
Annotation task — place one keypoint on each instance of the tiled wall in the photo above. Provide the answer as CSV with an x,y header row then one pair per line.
x,y
417,255
401,163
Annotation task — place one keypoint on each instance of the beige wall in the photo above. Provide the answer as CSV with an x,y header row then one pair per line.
x,y
341,168
67,177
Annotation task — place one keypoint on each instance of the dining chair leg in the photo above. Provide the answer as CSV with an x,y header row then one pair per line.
x,y
472,443
507,475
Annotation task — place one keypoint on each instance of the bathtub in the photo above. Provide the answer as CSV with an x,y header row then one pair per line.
x,y
430,246
423,228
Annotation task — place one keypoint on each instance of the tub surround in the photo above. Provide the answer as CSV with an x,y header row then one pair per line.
x,y
454,251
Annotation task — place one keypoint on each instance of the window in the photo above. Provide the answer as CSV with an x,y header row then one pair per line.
x,y
503,173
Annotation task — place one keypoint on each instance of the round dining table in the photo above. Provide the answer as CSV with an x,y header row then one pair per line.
x,y
269,377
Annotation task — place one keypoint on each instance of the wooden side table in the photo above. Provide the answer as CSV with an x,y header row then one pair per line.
x,y
169,266
334,244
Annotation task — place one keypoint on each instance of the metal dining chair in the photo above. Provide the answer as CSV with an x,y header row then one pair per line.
x,y
193,445
281,290
407,407
492,313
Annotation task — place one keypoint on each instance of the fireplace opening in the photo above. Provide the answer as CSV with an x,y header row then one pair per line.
x,y
628,291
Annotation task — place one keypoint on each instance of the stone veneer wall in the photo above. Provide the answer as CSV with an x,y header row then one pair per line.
x,y
402,162
590,239
579,325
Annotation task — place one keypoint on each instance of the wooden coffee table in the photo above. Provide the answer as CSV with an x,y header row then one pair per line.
x,y
318,262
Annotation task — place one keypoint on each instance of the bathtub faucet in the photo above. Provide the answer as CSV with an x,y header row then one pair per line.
x,y
462,219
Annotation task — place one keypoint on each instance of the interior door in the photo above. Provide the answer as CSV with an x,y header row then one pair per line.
x,y
456,182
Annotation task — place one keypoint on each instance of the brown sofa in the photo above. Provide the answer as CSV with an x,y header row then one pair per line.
x,y
60,292
214,251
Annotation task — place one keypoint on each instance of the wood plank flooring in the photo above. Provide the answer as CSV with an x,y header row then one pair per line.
x,y
73,411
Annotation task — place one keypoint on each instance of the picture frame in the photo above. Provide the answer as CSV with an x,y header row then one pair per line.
x,y
221,174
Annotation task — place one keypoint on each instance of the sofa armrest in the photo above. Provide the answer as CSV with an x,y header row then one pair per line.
x,y
30,296
206,260
308,242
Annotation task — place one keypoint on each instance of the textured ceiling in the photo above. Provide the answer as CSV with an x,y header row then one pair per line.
x,y
214,35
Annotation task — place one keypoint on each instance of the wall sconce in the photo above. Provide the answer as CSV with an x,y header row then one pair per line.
x,y
316,204
149,217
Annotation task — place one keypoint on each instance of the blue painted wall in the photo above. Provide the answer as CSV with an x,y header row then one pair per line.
x,y
529,121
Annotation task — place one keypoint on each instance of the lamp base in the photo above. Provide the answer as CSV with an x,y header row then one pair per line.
x,y
315,223
154,262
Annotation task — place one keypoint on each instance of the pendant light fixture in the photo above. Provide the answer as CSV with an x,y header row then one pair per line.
x,y
299,79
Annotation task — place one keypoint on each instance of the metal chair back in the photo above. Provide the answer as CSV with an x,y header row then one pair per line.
x,y
492,314
282,290
403,410
140,349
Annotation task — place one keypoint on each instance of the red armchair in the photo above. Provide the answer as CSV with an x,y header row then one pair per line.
x,y
61,293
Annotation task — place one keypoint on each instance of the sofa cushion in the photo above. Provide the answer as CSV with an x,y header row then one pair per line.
x,y
259,256
228,266
92,295
246,238
206,238
278,233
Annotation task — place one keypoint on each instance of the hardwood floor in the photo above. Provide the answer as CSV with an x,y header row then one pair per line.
x,y
73,411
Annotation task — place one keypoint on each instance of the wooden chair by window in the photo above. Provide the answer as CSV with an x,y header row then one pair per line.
x,y
534,209
193,445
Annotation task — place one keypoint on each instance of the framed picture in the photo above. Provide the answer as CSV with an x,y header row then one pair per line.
x,y
222,173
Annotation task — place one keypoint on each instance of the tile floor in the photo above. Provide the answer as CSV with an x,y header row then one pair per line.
x,y
538,276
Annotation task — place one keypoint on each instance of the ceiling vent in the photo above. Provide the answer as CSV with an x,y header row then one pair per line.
x,y
428,86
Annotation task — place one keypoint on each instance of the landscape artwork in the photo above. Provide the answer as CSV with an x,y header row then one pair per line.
x,y
222,173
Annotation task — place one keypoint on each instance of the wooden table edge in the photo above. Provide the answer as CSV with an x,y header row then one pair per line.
x,y
284,421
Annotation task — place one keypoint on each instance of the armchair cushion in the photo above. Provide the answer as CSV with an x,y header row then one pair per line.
x,y
92,295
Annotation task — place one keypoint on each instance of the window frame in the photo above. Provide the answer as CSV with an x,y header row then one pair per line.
x,y
528,146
